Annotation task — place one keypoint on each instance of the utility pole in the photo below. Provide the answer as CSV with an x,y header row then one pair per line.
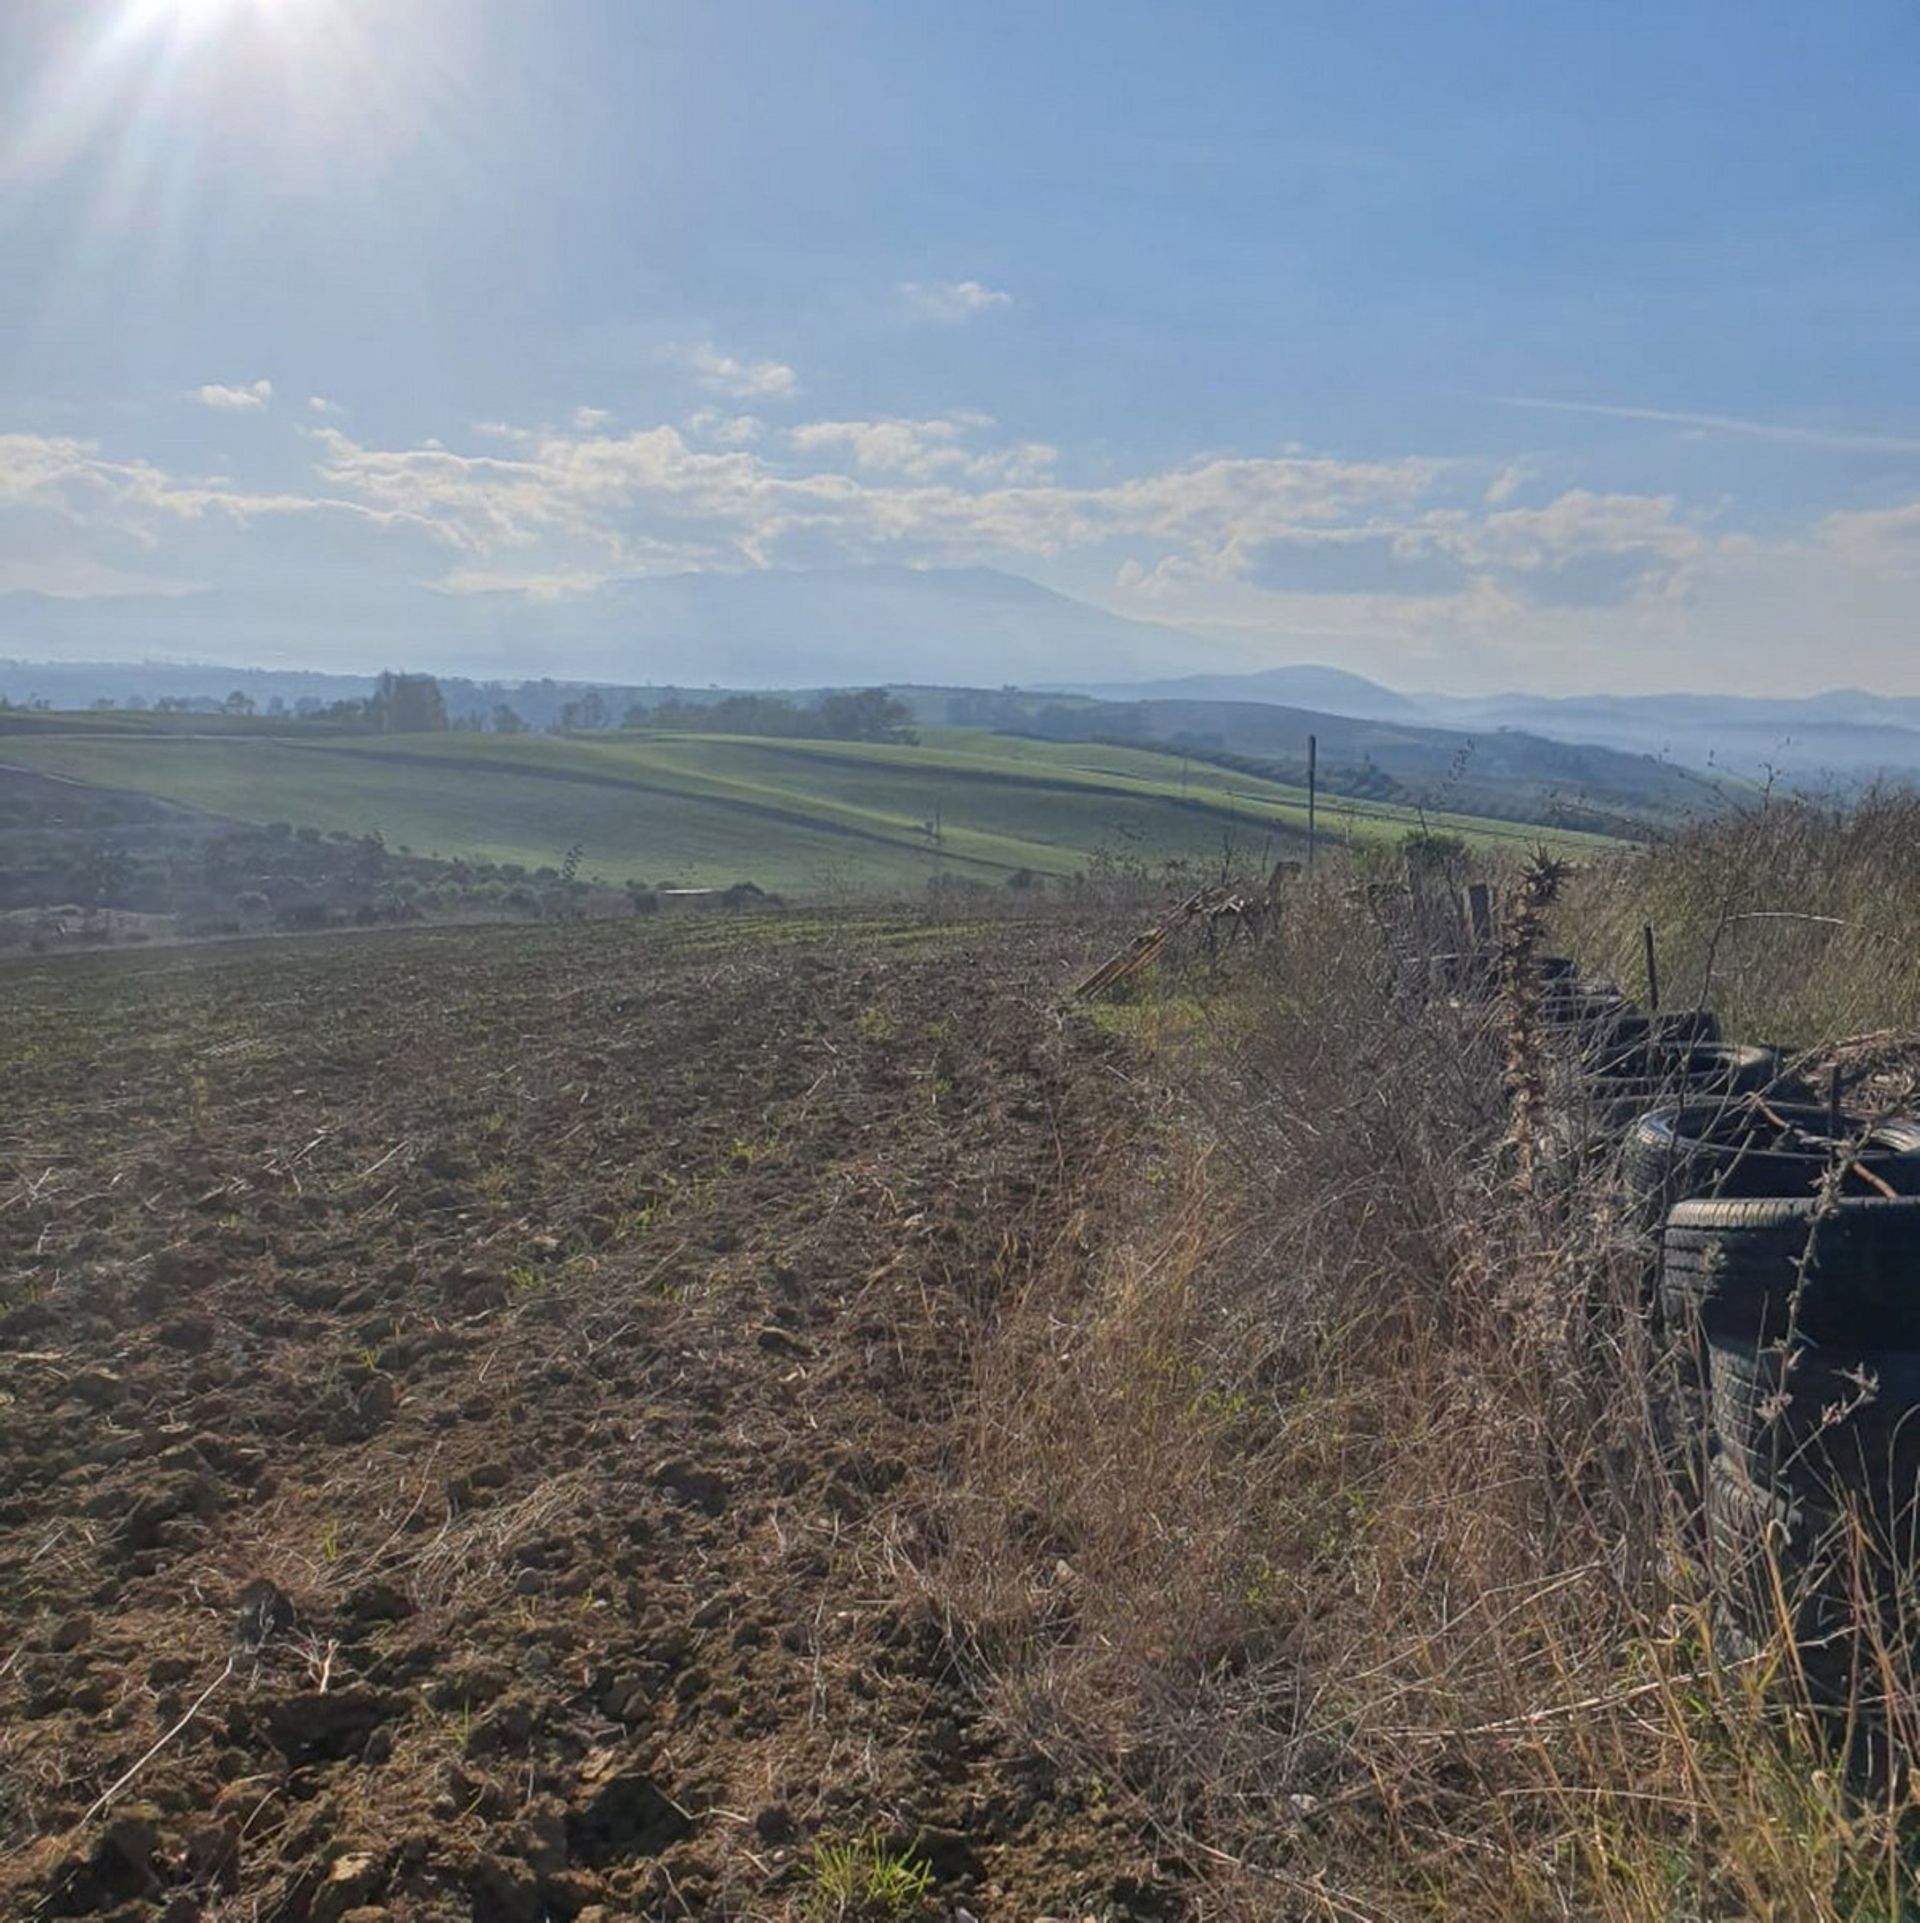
x,y
1313,795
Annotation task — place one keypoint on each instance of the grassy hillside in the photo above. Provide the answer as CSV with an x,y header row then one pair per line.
x,y
795,816
1492,771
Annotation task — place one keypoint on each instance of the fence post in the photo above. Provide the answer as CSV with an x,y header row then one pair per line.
x,y
1480,913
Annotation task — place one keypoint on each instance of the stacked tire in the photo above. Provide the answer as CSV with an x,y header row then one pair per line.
x,y
1785,1240
1783,1265
1617,1062
1638,1073
1791,1265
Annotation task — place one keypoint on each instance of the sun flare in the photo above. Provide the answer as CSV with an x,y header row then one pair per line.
x,y
170,95
198,16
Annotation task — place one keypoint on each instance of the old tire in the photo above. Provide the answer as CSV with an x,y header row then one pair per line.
x,y
1736,1147
1631,1082
1844,1275
1684,1068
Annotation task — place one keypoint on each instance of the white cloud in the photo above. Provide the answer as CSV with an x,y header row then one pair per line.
x,y
725,430
894,446
586,419
952,301
1884,542
235,400
740,380
1507,483
1576,525
319,404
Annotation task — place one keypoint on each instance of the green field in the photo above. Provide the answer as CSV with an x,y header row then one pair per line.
x,y
798,817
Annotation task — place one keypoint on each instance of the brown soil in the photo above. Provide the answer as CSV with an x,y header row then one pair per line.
x,y
462,1403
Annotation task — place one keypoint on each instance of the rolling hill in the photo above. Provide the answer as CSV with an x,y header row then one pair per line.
x,y
799,817
1502,773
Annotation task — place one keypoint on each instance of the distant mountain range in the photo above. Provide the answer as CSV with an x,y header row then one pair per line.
x,y
975,628
1845,737
828,626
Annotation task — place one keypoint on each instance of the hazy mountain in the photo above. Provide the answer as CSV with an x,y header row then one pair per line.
x,y
769,629
1330,690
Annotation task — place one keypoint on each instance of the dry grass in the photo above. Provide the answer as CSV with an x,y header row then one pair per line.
x,y
1798,921
1331,1531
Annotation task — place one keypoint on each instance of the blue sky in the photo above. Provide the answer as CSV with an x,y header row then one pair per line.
x,y
1467,345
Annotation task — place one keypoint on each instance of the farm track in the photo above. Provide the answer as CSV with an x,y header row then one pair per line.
x,y
469,1402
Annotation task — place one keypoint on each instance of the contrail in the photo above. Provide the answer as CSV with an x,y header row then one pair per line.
x,y
1722,424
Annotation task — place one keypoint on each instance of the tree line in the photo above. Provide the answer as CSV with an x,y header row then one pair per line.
x,y
416,704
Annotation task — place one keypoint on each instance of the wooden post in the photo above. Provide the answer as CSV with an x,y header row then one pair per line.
x,y
1480,913
1313,794
1653,971
1833,1102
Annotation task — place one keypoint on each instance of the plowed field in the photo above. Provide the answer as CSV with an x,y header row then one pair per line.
x,y
467,1403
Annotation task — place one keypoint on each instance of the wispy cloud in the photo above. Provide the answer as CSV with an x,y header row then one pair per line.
x,y
924,450
560,504
319,404
740,380
1840,442
952,301
235,400
76,521
586,419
